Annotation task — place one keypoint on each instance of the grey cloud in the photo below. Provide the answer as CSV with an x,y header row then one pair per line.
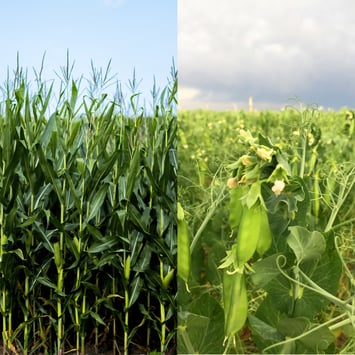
x,y
271,50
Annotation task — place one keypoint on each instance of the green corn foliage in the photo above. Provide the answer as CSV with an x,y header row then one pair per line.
x,y
87,218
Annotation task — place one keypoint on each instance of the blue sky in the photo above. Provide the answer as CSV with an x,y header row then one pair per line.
x,y
136,34
271,50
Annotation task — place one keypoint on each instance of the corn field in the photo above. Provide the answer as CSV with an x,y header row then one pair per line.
x,y
87,219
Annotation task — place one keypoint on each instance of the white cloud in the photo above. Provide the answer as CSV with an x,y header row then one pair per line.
x,y
272,49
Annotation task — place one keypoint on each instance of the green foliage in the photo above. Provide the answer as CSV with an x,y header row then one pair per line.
x,y
296,168
87,218
200,322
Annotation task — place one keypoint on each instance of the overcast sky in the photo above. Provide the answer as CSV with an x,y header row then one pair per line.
x,y
135,34
271,50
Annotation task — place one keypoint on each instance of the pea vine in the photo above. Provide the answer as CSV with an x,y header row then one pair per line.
x,y
282,245
266,233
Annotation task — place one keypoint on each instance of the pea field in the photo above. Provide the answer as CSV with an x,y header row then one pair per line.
x,y
87,216
266,231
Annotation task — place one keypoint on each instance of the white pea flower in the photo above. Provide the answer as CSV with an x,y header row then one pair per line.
x,y
278,187
246,160
265,153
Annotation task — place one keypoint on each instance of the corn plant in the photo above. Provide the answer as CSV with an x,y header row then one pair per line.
x,y
87,217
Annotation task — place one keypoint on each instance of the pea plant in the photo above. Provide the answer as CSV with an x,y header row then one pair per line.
x,y
289,211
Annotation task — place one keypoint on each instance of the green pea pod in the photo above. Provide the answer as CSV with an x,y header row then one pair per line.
x,y
235,302
235,206
183,255
248,233
265,237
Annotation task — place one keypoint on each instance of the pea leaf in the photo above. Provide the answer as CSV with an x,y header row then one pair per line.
x,y
263,331
305,244
265,271
200,330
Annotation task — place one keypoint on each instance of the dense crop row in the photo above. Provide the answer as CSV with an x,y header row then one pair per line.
x,y
268,202
87,220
